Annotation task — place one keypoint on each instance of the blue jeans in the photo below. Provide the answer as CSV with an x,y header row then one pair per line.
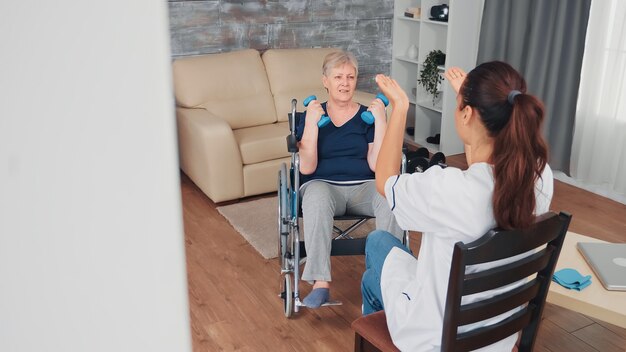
x,y
378,244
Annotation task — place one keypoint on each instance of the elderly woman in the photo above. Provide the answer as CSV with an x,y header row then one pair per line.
x,y
337,163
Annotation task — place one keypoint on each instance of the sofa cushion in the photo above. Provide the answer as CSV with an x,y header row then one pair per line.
x,y
262,177
231,85
295,73
262,143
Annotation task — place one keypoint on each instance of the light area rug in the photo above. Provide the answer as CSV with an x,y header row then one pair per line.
x,y
257,221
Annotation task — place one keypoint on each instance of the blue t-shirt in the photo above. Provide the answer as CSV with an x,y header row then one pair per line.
x,y
341,151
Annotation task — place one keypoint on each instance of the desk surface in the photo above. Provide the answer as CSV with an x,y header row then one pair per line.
x,y
594,301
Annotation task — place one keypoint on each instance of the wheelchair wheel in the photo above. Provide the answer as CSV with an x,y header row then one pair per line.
x,y
283,217
287,295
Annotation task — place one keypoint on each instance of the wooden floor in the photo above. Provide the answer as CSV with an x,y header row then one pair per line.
x,y
233,291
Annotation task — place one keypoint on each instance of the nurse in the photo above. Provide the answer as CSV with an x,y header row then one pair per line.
x,y
508,182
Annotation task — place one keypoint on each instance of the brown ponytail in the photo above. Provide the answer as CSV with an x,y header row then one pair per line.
x,y
520,152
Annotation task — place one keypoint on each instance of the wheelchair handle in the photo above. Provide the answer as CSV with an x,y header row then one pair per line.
x,y
324,120
292,141
292,126
367,116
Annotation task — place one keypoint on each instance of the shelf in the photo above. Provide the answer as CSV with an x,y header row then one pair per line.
x,y
433,148
407,59
416,143
435,22
441,68
410,19
408,140
428,103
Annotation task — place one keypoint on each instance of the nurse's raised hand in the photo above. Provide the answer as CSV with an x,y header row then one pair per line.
x,y
455,76
392,90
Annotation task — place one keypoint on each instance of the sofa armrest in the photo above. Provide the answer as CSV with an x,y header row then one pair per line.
x,y
209,154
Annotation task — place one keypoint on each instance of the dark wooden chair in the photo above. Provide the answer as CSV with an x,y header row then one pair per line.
x,y
545,237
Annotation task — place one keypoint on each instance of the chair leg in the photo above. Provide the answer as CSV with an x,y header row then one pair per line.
x,y
362,345
358,342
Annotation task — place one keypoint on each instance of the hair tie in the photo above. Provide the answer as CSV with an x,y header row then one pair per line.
x,y
512,96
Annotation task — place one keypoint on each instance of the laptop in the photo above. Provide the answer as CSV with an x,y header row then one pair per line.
x,y
608,261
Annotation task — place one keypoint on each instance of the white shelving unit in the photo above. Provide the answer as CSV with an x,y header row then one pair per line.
x,y
458,39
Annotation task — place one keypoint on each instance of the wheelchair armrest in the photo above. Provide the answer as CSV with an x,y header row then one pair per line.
x,y
292,143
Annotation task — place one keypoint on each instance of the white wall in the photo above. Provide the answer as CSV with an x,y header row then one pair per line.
x,y
91,239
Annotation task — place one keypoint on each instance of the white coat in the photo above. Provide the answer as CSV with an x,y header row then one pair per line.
x,y
446,205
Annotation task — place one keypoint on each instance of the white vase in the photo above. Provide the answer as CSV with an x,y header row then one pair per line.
x,y
411,52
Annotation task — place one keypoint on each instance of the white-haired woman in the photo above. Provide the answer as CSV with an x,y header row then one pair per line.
x,y
337,163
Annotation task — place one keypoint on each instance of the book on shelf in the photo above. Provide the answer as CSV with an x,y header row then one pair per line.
x,y
412,12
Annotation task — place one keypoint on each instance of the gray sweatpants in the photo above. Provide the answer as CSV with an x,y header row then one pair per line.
x,y
320,202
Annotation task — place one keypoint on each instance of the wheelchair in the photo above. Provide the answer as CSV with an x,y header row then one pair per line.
x,y
291,250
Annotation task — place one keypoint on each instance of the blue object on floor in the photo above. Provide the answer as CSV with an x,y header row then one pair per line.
x,y
571,279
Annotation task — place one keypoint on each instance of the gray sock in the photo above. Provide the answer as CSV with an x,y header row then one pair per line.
x,y
316,298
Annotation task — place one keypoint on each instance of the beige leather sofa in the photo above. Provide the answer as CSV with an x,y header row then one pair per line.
x,y
232,115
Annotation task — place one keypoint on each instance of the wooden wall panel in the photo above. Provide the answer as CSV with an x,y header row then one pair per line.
x,y
190,14
350,10
218,38
264,11
360,26
310,34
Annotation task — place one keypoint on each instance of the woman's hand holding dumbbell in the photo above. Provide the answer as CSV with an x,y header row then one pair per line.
x,y
315,112
376,109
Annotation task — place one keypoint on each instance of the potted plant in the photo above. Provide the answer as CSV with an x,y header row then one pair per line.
x,y
429,75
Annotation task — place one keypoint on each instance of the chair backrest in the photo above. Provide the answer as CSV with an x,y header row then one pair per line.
x,y
545,237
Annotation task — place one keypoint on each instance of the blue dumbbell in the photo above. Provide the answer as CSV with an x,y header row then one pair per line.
x,y
324,120
367,116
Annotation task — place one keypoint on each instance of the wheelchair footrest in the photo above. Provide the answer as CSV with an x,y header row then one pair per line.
x,y
354,246
332,303
326,304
